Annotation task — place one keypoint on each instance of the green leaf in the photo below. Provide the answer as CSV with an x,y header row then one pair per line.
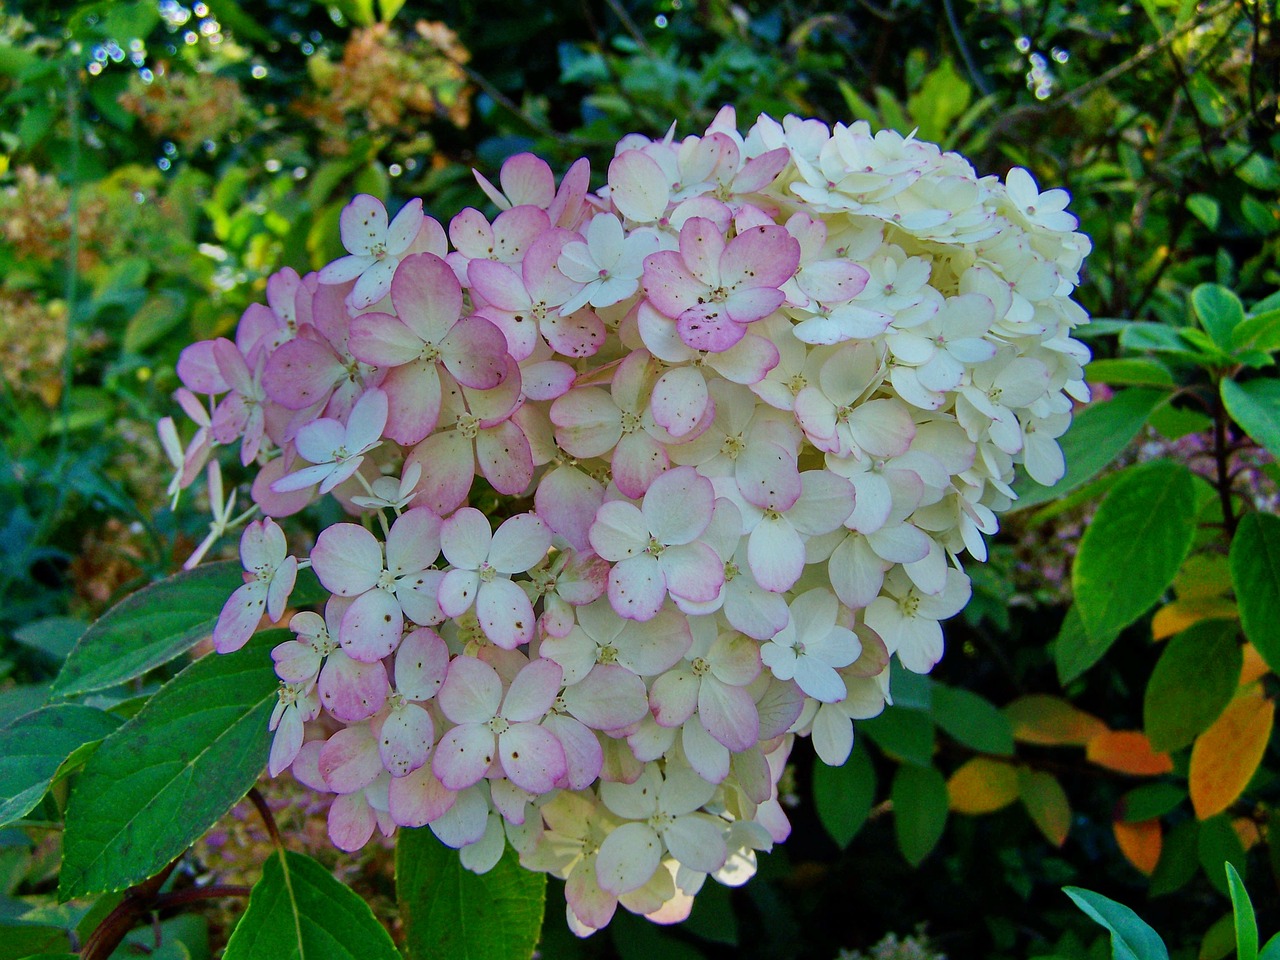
x,y
1218,845
1194,680
450,913
298,911
1131,937
906,735
1179,858
1255,576
1149,801
1131,372
1205,209
972,720
1159,338
1272,950
1131,551
52,636
1074,651
1259,332
1246,921
842,796
158,623
32,748
1255,406
160,781
1219,312
1098,435
919,810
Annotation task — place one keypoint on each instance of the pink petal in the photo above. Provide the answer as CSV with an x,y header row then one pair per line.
x,y
383,340
567,499
404,228
413,542
702,244
768,476
301,372
776,554
582,754
628,857
547,380
505,458
471,693
637,461
764,256
708,757
286,743
500,285
532,757
458,589
519,543
609,697
406,740
669,285
427,296
198,369
729,714
620,531
464,755
419,798
637,587
281,586
371,627
526,178
833,281
588,422
418,597
363,224
709,327
505,613
638,187
533,691
692,571
465,538
351,822
240,616
515,230
422,663
352,691
755,303
677,506
347,558
318,440
414,396
475,352
674,696
349,759
680,399
447,461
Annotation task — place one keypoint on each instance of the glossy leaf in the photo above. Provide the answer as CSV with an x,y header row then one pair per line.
x,y
1255,574
298,911
1132,549
1097,436
1194,680
1131,372
1149,801
450,913
1218,845
1173,618
33,747
157,624
1225,757
919,810
1046,803
1179,859
1074,651
1259,332
160,781
972,720
982,785
1127,751
1219,312
1131,937
842,796
1140,843
1255,406
1051,721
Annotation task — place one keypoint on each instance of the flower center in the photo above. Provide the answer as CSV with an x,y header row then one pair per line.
x,y
733,446
469,425
607,655
700,667
498,725
630,421
654,547
487,572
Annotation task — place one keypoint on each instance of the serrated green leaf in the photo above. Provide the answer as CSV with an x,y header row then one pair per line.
x,y
1255,576
158,623
1194,680
972,720
906,735
160,781
1219,312
1132,549
842,796
920,805
1131,937
32,748
1255,406
298,911
450,913
1097,436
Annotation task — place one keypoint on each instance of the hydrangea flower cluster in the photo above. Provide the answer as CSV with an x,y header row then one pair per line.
x,y
744,409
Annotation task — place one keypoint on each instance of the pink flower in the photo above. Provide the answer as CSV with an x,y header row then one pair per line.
x,y
336,450
377,248
269,577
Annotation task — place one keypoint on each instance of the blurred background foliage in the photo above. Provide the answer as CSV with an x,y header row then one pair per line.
x,y
158,160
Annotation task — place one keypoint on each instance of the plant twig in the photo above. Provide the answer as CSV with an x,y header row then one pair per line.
x,y
139,900
268,818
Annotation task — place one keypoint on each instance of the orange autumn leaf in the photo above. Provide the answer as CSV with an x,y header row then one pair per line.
x,y
1254,666
1175,617
1051,721
1140,843
1127,751
982,786
1225,757
1248,831
1046,803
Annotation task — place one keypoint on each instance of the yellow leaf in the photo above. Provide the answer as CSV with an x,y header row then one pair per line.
x,y
1254,666
1224,757
1140,843
1175,617
1051,721
1248,831
982,786
1127,751
1203,576
1046,804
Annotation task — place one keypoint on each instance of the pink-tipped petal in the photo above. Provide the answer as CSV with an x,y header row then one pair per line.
x,y
532,757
